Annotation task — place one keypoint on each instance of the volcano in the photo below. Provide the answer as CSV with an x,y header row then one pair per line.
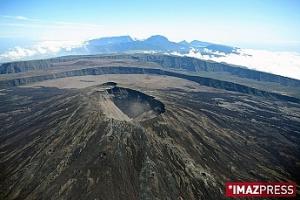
x,y
142,127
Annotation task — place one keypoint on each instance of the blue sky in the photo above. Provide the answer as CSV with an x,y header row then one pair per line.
x,y
264,24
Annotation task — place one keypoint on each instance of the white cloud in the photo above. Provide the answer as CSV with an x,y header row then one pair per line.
x,y
19,52
280,63
43,48
42,30
21,18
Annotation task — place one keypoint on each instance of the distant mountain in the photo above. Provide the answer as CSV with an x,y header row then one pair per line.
x,y
197,44
184,42
158,39
110,40
156,43
221,48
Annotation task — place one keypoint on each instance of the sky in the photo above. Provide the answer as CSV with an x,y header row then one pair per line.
x,y
268,24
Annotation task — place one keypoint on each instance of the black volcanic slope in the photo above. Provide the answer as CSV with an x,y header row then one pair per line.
x,y
110,141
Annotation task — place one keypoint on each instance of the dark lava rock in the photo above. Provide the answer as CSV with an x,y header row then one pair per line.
x,y
60,144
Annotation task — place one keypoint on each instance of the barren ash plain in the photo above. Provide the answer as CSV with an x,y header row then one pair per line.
x,y
141,126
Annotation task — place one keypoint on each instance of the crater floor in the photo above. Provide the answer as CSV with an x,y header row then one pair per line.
x,y
126,104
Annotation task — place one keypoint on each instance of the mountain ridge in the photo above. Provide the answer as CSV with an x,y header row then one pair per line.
x,y
158,43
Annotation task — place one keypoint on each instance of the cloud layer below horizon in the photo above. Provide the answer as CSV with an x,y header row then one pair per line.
x,y
280,63
39,50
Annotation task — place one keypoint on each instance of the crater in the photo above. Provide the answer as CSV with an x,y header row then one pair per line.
x,y
136,105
